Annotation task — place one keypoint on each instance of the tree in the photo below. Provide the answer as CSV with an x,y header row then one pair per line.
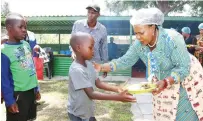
x,y
197,9
5,9
118,6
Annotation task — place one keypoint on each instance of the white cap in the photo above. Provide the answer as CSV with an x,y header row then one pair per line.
x,y
147,16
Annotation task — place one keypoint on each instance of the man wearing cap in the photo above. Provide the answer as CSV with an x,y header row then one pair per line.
x,y
189,39
96,30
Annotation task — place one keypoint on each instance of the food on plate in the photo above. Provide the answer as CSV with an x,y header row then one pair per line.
x,y
140,88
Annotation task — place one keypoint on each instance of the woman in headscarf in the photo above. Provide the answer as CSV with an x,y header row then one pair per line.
x,y
199,50
178,95
190,40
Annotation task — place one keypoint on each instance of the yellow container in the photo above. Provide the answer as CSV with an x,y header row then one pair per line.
x,y
140,88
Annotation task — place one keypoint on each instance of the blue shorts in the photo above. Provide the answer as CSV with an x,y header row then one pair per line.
x,y
75,118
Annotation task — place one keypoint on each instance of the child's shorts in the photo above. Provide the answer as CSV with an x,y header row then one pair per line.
x,y
26,105
75,118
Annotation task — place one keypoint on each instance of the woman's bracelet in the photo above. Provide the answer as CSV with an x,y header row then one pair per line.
x,y
111,66
168,83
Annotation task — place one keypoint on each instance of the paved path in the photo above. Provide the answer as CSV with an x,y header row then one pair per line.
x,y
142,110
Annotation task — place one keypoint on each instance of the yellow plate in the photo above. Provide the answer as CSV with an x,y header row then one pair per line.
x,y
139,89
189,45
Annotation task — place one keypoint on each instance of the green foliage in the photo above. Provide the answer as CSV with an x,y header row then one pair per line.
x,y
5,9
197,8
118,6
52,38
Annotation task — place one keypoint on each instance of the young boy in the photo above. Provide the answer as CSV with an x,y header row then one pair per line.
x,y
19,84
83,79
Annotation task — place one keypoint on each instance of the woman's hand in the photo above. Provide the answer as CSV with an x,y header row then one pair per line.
x,y
201,43
163,84
200,49
160,85
102,67
97,66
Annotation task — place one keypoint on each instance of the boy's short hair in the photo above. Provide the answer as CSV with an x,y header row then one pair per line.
x,y
13,16
78,38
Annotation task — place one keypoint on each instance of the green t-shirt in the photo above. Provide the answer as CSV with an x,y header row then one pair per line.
x,y
21,65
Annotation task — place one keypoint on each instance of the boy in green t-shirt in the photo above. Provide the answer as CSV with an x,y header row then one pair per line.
x,y
19,84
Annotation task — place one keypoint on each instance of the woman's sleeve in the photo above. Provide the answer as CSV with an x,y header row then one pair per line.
x,y
127,60
180,59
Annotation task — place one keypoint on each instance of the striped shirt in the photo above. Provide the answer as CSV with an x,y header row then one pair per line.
x,y
99,34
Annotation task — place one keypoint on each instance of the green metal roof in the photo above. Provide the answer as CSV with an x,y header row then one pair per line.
x,y
115,24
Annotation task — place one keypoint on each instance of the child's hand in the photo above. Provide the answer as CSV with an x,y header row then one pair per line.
x,y
126,97
120,89
13,108
2,99
36,48
38,96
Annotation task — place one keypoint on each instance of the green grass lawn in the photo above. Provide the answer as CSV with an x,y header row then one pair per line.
x,y
55,94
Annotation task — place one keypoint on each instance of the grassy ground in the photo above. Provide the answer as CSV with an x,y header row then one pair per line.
x,y
55,93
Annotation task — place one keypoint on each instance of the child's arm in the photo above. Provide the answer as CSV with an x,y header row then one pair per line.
x,y
107,87
81,81
7,87
123,96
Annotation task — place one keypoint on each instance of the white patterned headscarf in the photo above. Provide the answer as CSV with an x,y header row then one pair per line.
x,y
147,16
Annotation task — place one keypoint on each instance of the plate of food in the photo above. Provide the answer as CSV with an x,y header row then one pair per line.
x,y
140,88
191,46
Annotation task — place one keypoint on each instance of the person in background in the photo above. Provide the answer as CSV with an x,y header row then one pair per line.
x,y
19,85
30,38
97,30
39,55
199,49
112,49
174,29
84,80
189,39
178,96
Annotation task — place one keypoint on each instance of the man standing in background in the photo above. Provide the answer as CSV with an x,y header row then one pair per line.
x,y
112,49
96,30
